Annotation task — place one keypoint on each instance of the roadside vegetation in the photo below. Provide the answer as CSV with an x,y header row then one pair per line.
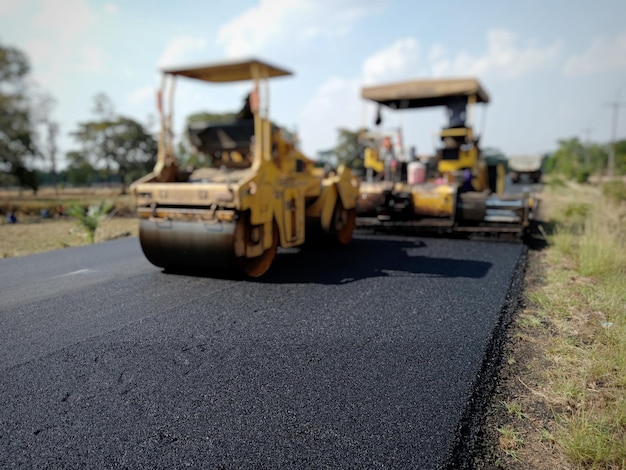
x,y
89,219
44,222
562,397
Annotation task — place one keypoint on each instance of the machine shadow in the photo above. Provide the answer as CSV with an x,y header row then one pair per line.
x,y
366,258
363,258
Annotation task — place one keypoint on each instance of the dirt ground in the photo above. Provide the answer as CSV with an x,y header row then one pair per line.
x,y
519,386
518,403
35,235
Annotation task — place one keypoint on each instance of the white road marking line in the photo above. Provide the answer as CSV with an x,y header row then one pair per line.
x,y
80,271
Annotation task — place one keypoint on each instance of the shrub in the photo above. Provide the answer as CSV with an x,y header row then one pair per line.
x,y
615,190
90,219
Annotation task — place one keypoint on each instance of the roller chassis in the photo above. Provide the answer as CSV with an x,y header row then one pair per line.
x,y
235,216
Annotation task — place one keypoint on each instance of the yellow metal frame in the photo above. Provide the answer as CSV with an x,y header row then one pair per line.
x,y
282,188
468,158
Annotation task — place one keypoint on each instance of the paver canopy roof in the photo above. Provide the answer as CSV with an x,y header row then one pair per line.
x,y
425,93
229,71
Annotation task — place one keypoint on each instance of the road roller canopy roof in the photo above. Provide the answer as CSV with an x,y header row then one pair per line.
x,y
229,71
425,93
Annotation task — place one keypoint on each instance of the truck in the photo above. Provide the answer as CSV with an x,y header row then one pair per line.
x,y
527,167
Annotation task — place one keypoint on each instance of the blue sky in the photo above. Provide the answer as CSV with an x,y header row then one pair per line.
x,y
550,67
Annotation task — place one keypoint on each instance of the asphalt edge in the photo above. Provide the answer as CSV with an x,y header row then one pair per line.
x,y
468,436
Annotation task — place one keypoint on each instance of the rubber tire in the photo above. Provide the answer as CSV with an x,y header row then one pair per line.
x,y
344,223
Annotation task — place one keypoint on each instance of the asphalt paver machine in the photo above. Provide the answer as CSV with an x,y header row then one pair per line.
x,y
455,190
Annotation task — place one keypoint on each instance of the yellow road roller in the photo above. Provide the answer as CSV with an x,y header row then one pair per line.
x,y
455,190
258,193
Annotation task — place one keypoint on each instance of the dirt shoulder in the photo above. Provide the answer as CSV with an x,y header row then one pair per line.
x,y
519,421
35,235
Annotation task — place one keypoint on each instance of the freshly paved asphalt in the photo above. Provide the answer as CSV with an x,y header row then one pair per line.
x,y
363,357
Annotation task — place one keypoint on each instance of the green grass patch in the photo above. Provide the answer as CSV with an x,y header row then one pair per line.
x,y
514,408
530,321
584,302
555,182
615,190
510,441
89,219
593,441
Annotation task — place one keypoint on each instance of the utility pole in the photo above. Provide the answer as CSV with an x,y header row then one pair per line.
x,y
53,131
587,132
615,105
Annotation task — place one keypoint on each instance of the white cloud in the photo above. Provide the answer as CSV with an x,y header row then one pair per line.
x,y
67,20
398,61
503,56
141,96
183,49
39,50
9,6
256,26
92,58
56,43
272,20
111,8
602,55
335,104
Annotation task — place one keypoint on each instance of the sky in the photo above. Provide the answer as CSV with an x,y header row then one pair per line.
x,y
552,68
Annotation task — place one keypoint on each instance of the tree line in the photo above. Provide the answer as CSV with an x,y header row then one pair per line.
x,y
110,147
578,160
115,148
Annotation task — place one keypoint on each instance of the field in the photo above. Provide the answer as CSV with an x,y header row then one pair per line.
x,y
30,237
34,233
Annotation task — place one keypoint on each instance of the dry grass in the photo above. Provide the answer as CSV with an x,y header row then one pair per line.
x,y
26,238
26,204
564,384
33,234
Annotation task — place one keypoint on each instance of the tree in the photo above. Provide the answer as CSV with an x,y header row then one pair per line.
x,y
119,144
620,157
348,149
46,131
326,158
573,159
17,135
79,171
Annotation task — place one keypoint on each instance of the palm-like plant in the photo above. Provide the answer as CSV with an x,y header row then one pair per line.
x,y
91,218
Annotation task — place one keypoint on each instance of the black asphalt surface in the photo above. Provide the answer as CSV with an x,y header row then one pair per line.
x,y
363,357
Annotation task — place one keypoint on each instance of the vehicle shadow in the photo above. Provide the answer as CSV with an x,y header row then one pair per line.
x,y
364,258
367,258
